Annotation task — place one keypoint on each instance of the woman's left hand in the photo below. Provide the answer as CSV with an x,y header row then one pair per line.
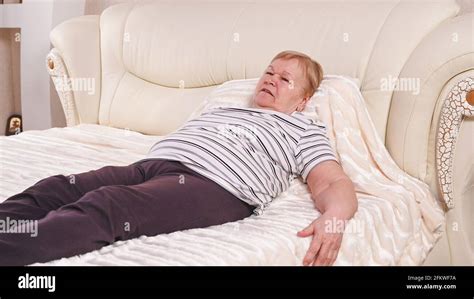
x,y
327,237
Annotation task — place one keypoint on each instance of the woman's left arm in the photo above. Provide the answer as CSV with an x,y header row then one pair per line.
x,y
334,196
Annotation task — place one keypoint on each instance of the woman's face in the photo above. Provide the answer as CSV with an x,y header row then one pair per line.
x,y
281,87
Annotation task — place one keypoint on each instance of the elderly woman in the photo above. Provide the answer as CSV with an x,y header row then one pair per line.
x,y
206,173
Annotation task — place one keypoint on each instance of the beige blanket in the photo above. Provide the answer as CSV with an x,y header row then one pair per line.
x,y
399,214
398,220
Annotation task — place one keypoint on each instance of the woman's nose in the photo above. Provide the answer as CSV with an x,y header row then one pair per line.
x,y
270,81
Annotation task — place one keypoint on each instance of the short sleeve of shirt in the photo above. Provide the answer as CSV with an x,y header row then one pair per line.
x,y
312,149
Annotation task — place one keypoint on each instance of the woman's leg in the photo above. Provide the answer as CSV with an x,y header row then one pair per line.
x,y
176,200
55,191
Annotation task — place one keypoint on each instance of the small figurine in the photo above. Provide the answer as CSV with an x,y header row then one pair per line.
x,y
14,125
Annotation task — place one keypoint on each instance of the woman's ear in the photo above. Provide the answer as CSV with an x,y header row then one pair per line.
x,y
302,104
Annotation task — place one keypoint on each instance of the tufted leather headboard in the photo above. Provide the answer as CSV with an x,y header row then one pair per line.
x,y
160,59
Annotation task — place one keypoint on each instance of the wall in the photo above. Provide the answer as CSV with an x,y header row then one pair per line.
x,y
40,110
95,7
467,6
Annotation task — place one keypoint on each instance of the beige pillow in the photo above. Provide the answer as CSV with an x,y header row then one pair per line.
x,y
238,93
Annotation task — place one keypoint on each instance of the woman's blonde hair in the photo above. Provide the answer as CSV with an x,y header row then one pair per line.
x,y
312,70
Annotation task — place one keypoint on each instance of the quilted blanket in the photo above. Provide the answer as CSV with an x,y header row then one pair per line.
x,y
397,223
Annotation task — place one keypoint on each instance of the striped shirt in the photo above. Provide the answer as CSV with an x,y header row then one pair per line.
x,y
253,153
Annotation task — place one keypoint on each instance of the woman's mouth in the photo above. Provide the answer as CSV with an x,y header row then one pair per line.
x,y
266,91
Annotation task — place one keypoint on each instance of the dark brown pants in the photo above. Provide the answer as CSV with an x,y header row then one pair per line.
x,y
82,212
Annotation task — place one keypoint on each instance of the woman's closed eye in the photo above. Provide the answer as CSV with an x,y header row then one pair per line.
x,y
271,74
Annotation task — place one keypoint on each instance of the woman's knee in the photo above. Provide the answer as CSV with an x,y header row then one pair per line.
x,y
104,207
44,191
51,181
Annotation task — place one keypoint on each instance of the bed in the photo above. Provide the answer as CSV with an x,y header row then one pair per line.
x,y
397,223
153,66
269,240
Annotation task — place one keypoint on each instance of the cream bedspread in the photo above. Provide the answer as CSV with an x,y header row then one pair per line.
x,y
397,223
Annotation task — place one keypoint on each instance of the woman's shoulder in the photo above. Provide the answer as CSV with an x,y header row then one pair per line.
x,y
309,121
